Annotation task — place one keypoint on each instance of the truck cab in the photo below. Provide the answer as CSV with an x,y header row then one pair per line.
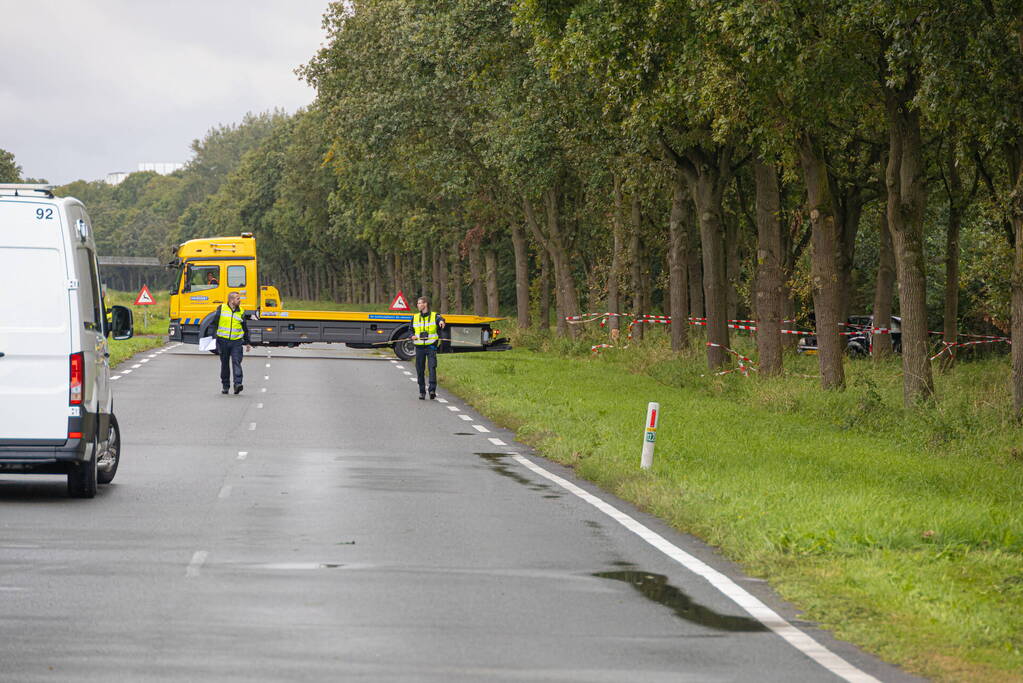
x,y
56,405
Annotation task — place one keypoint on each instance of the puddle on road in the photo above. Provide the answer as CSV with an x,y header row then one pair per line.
x,y
655,587
496,462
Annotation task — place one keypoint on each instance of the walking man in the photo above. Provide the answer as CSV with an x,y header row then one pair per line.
x,y
232,334
426,338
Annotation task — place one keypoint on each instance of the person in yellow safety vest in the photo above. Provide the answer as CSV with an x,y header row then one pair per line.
x,y
232,334
426,325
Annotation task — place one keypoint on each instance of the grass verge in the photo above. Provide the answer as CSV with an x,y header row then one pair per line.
x,y
899,530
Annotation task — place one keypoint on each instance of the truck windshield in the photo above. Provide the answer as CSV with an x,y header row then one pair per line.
x,y
202,277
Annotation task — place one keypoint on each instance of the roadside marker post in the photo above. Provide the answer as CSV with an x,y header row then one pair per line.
x,y
650,435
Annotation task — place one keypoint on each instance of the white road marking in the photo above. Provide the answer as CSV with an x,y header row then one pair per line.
x,y
242,455
267,365
758,610
225,491
115,377
454,409
481,428
197,561
467,418
407,372
136,366
412,379
263,389
125,372
259,405
144,360
497,442
442,400
252,425
266,376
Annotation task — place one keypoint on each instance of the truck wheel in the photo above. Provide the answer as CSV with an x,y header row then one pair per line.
x,y
405,349
81,478
110,457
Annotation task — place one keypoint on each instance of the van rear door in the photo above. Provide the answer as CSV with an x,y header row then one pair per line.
x,y
35,325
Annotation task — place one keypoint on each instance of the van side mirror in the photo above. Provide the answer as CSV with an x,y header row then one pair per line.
x,y
121,323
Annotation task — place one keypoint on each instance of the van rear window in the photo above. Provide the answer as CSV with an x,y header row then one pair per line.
x,y
41,272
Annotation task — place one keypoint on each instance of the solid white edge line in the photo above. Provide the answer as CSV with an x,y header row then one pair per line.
x,y
758,610
225,491
197,561
480,428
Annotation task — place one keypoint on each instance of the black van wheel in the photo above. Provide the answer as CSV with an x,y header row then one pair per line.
x,y
405,349
81,478
110,457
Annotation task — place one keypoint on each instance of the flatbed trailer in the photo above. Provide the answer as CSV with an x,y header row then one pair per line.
x,y
211,268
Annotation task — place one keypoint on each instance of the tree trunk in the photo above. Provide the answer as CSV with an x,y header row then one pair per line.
x,y
850,209
732,264
457,282
424,272
374,277
493,301
436,300
954,188
566,299
678,251
443,303
907,198
545,291
770,283
476,275
521,274
398,274
1014,159
694,268
635,267
823,263
881,344
614,277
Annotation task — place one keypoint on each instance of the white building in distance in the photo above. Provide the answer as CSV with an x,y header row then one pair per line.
x,y
163,168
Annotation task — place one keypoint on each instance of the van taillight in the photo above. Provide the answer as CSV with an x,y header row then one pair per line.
x,y
77,377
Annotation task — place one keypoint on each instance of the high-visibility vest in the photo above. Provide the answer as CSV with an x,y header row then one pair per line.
x,y
230,327
425,325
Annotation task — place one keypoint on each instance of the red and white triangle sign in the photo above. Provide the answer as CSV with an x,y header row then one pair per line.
x,y
144,298
400,303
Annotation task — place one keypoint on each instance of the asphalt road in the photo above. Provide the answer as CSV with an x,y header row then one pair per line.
x,y
327,525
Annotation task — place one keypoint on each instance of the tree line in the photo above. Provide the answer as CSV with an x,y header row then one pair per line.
x,y
721,160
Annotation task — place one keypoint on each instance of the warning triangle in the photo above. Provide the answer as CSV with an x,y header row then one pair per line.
x,y
400,303
144,298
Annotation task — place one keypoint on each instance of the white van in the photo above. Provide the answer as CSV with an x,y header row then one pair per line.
x,y
56,409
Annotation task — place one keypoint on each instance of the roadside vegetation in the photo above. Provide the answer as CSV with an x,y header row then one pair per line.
x,y
896,528
150,326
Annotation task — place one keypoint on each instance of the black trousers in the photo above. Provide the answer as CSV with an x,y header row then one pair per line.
x,y
426,356
230,360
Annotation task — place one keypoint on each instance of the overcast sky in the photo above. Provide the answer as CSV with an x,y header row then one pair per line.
x,y
88,87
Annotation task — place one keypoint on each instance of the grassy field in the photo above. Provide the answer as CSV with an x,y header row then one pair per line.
x,y
900,530
150,325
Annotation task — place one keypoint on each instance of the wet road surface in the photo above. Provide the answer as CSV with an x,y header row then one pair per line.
x,y
327,525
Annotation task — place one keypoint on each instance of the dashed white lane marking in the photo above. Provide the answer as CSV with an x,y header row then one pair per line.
x,y
267,365
758,610
467,418
442,400
412,379
252,425
266,376
407,372
263,389
144,360
481,428
197,561
115,377
136,366
242,455
225,491
125,372
259,405
454,409
497,442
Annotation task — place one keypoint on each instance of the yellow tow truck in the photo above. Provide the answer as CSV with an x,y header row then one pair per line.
x,y
210,268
